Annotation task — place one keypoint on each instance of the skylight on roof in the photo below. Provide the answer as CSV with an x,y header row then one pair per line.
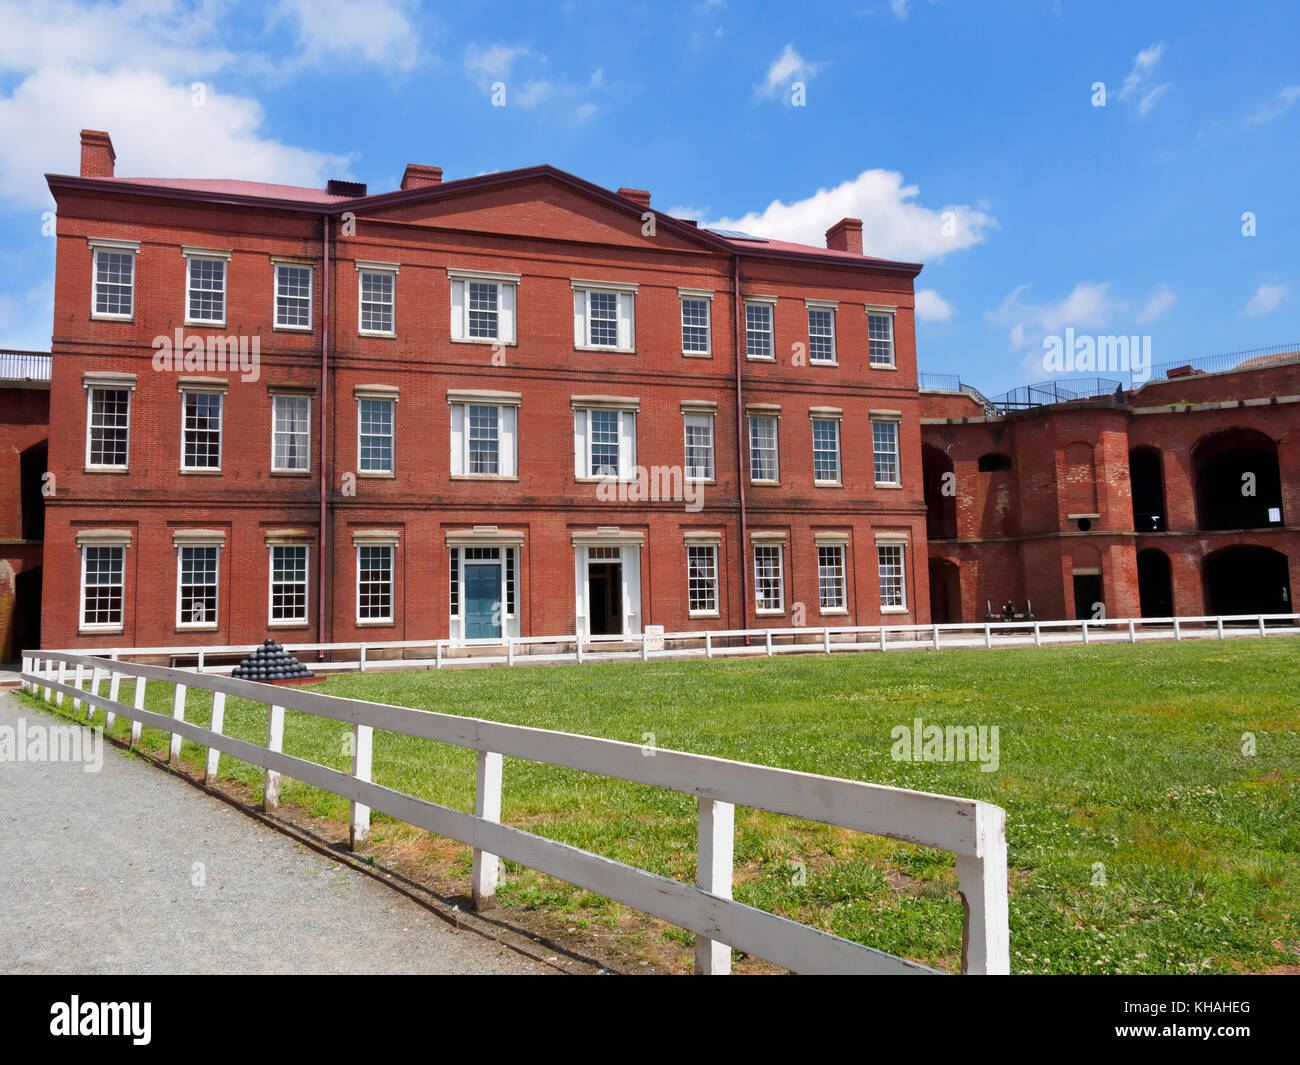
x,y
736,234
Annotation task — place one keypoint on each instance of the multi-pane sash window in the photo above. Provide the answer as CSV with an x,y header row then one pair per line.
x,y
196,596
483,439
114,282
483,306
206,295
830,576
769,584
102,570
695,325
699,446
758,331
763,460
288,582
454,582
884,441
890,561
290,433
375,435
378,290
201,431
702,578
604,317
880,338
292,296
108,422
374,582
821,334
826,450
484,309
604,443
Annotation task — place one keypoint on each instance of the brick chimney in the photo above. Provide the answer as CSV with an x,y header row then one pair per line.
x,y
845,235
636,196
97,155
419,176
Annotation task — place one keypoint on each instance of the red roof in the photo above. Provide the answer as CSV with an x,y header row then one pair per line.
x,y
232,187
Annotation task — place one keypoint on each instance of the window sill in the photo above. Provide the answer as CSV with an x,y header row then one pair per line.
x,y
380,335
606,480
486,342
291,473
288,624
894,610
200,473
112,317
291,329
100,630
834,611
604,350
882,366
769,613
765,483
701,481
376,624
106,469
761,358
375,476
483,477
891,485
828,484
197,628
828,363
697,354
205,324
704,614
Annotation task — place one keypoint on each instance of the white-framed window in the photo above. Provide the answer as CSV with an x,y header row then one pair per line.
x,y
764,457
830,576
108,427
604,318
288,573
201,430
113,266
376,301
759,332
290,433
699,445
604,442
292,296
696,334
880,338
702,578
375,434
102,586
769,579
375,582
889,559
196,585
821,334
826,450
484,438
884,443
483,306
205,289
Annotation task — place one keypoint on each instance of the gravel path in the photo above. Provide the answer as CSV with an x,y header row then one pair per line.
x,y
129,870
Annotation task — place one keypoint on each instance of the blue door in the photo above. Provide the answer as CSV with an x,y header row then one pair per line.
x,y
483,607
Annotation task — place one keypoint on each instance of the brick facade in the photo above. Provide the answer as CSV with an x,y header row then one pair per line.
x,y
553,232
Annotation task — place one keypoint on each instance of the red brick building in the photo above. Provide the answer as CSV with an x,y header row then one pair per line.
x,y
24,433
1178,497
515,402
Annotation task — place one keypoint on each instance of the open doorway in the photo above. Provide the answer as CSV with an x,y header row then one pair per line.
x,y
605,596
1088,603
1247,579
1155,586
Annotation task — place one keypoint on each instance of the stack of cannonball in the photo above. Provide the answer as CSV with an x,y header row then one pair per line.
x,y
270,662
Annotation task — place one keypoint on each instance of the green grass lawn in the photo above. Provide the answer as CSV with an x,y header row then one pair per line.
x,y
1141,838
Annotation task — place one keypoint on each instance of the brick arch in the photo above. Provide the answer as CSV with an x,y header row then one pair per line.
x,y
1221,462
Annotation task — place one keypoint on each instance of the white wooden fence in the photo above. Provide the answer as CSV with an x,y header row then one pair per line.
x,y
349,656
974,831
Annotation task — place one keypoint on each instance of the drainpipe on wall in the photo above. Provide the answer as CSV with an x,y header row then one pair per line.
x,y
321,636
739,314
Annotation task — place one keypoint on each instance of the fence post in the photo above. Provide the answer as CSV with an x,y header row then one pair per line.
x,y
1132,631
713,873
96,681
363,750
62,679
178,714
1219,624
136,724
1085,633
510,650
935,637
437,654
363,658
982,882
49,670
22,684
1038,635
988,636
826,640
1261,635
218,723
645,648
487,805
577,643
769,643
1178,633
274,742
200,666
114,693
882,637
77,682
708,644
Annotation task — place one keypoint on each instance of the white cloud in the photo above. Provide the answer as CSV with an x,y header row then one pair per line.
x,y
1276,107
1157,304
900,9
1089,305
519,68
894,226
786,69
1136,83
494,61
931,307
1267,298
376,31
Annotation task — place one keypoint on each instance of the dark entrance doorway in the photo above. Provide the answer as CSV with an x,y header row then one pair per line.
x,y
1148,490
1087,595
945,592
1247,580
27,611
1238,484
1155,588
605,598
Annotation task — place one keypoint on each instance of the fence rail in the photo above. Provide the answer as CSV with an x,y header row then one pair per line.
x,y
974,831
24,366
723,643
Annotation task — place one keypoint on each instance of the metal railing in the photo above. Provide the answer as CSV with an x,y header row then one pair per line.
x,y
974,831
1251,359
25,366
1046,392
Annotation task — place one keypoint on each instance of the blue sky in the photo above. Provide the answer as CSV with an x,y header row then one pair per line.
x,y
963,133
